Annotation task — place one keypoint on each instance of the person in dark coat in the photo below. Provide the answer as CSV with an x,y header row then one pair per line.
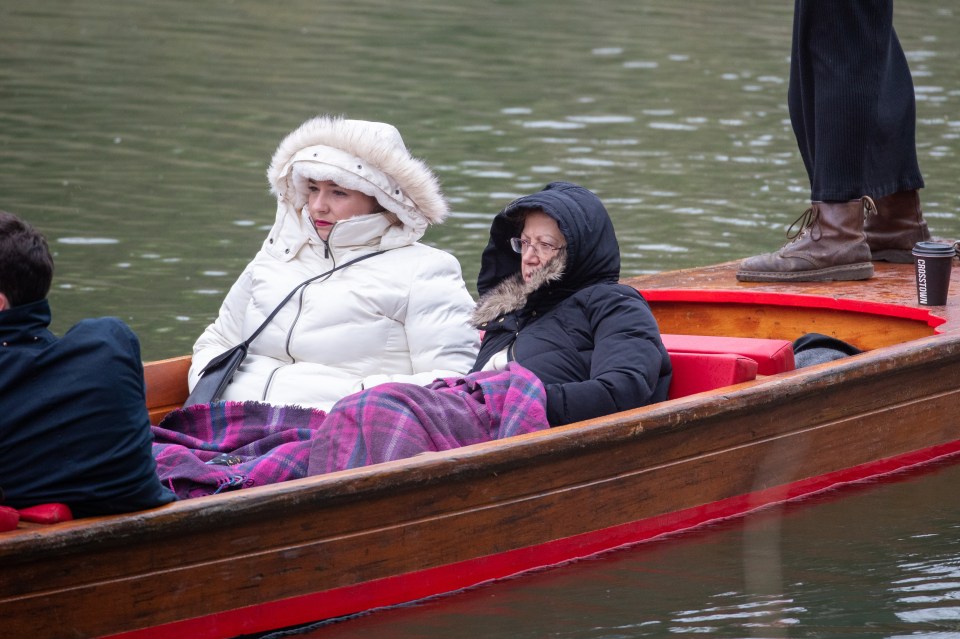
x,y
74,426
551,301
853,111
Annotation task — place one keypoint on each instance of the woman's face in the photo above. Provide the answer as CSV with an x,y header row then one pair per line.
x,y
329,203
541,241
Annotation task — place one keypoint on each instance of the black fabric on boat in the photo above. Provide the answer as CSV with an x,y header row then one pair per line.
x,y
815,348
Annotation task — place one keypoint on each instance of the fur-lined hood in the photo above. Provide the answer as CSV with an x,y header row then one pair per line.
x,y
512,293
369,157
592,254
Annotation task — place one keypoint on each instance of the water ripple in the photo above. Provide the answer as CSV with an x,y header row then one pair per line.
x,y
87,241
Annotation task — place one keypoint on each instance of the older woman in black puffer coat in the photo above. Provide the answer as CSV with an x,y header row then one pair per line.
x,y
551,301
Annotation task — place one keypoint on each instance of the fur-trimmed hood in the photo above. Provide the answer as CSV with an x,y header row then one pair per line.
x,y
592,254
512,293
369,157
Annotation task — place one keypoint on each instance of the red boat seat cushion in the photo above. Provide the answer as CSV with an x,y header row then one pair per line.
x,y
698,372
40,514
9,518
771,355
46,513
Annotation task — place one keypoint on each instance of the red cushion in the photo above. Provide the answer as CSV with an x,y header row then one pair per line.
x,y
771,355
697,372
9,518
46,513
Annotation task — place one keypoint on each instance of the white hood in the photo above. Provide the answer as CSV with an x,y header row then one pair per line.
x,y
369,157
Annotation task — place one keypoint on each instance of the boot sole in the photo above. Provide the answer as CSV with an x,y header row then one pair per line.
x,y
846,272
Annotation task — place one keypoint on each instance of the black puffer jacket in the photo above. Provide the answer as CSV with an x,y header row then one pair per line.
x,y
592,341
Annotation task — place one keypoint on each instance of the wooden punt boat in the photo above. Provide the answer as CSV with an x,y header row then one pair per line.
x,y
322,547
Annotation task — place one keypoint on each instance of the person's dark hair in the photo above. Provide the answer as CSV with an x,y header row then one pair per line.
x,y
26,266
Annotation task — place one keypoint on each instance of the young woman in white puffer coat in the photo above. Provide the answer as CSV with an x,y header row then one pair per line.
x,y
345,188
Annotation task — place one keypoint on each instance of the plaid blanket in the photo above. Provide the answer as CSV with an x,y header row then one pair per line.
x,y
394,421
207,448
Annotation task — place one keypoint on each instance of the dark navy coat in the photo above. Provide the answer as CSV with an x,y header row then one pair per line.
x,y
74,426
593,342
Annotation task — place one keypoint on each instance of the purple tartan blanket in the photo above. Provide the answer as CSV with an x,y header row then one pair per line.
x,y
208,448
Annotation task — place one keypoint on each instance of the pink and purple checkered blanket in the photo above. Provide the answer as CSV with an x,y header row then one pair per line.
x,y
208,448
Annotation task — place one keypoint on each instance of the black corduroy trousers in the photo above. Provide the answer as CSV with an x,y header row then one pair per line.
x,y
851,100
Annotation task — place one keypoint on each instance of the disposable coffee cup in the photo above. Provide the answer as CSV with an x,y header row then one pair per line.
x,y
933,261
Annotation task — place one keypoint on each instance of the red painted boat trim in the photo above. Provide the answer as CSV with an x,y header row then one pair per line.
x,y
445,579
791,299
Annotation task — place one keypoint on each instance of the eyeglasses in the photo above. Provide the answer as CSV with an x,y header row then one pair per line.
x,y
542,249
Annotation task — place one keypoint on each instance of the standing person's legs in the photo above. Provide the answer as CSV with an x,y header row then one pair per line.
x,y
833,98
893,169
851,101
871,148
853,112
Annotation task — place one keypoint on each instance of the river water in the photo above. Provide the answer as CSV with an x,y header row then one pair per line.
x,y
136,135
879,559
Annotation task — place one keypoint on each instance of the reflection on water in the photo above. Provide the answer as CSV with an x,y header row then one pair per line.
x,y
136,135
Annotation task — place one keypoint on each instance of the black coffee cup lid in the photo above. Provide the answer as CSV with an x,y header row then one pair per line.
x,y
933,249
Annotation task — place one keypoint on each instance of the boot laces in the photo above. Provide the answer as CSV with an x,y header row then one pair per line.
x,y
810,219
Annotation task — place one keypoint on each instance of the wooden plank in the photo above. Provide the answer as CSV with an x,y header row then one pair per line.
x,y
755,320
166,385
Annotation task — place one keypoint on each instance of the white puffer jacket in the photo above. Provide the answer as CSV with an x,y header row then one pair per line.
x,y
403,315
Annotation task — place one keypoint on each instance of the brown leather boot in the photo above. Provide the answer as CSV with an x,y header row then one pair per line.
x,y
896,227
829,244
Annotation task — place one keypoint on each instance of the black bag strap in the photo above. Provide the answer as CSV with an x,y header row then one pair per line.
x,y
270,317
